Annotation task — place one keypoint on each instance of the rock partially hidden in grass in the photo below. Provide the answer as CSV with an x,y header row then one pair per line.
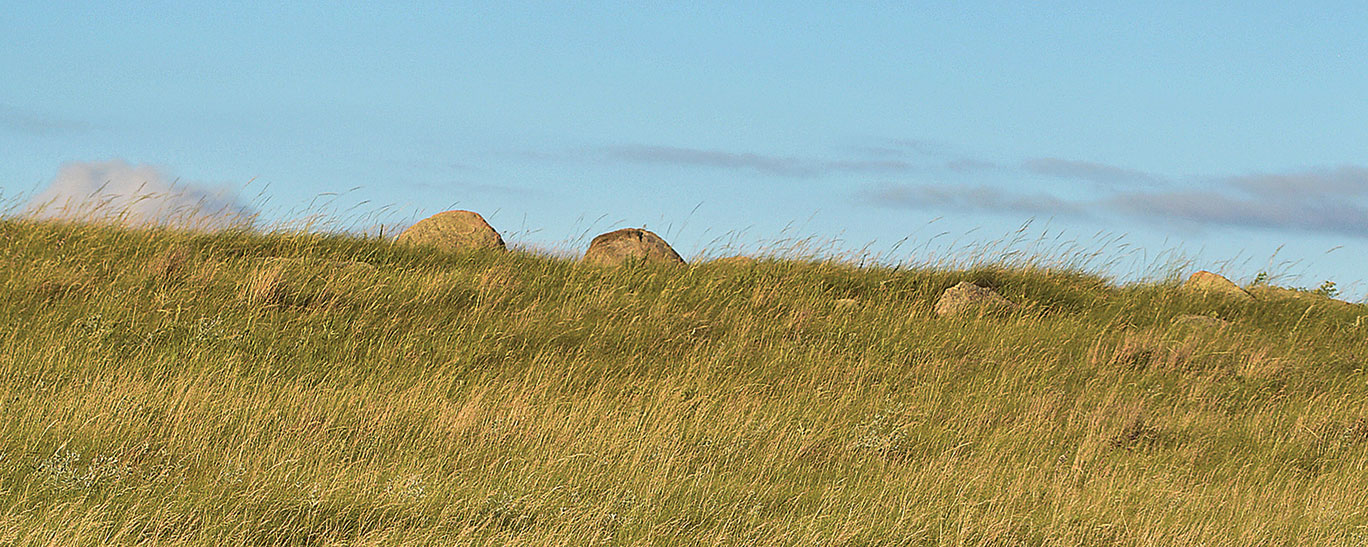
x,y
1205,282
630,244
968,298
453,231
1200,321
846,302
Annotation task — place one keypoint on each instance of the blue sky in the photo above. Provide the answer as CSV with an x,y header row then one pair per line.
x,y
1233,135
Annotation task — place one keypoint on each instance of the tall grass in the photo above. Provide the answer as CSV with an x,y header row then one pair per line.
x,y
167,387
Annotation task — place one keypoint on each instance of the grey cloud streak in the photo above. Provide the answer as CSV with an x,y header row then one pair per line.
x,y
1327,200
979,197
888,157
1099,173
1346,180
1308,213
1323,201
784,166
943,155
37,125
965,165
903,148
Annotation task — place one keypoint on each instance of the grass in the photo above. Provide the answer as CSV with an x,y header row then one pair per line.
x,y
164,387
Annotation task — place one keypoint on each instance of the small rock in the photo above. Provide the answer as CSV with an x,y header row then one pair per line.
x,y
1209,283
452,231
627,244
1201,321
846,302
967,297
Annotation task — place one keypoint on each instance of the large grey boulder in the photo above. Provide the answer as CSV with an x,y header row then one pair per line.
x,y
1205,282
452,231
626,244
967,298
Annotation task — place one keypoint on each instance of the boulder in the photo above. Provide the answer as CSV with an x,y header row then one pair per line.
x,y
452,231
968,298
1205,282
630,244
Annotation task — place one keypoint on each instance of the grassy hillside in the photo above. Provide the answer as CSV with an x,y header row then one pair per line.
x,y
172,388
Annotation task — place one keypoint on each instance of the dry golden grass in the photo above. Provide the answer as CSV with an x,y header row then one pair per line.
x,y
169,265
266,286
279,396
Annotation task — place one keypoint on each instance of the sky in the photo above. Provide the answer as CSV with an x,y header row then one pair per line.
x,y
1137,140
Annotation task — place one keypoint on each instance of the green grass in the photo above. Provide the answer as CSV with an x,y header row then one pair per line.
x,y
162,387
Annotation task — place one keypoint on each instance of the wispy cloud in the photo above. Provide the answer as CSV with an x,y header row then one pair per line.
x,y
966,198
937,155
136,194
903,148
710,158
33,124
783,166
1327,200
1323,200
1311,213
1098,173
967,165
1343,181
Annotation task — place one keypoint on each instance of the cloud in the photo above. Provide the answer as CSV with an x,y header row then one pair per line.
x,y
866,166
136,194
1092,172
35,125
903,148
967,198
783,166
966,165
942,155
1321,200
1310,213
1328,200
1343,181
